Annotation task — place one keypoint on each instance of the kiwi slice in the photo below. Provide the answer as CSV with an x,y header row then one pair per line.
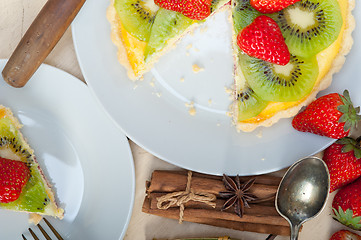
x,y
243,14
215,4
12,146
278,83
249,104
310,26
167,24
137,16
33,198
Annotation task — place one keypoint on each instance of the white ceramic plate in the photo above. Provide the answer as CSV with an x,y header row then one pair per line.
x,y
84,155
153,112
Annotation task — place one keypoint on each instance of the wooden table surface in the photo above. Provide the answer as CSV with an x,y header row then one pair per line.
x,y
15,17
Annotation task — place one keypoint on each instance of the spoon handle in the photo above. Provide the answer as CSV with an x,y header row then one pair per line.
x,y
294,232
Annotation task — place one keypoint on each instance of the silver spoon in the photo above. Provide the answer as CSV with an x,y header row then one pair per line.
x,y
303,192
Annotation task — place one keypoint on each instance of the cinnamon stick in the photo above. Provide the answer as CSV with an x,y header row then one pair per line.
x,y
261,217
174,181
194,216
264,208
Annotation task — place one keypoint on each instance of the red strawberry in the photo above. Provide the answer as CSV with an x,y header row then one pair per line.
x,y
193,9
332,115
345,235
343,160
271,6
347,205
196,9
263,39
13,177
173,5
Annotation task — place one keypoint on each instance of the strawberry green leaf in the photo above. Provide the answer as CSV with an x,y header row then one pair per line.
x,y
343,109
346,140
351,144
350,114
357,110
347,218
347,148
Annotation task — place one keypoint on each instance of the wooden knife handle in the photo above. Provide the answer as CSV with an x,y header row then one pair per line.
x,y
38,41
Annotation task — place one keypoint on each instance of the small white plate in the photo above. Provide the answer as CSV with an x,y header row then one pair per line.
x,y
153,112
84,155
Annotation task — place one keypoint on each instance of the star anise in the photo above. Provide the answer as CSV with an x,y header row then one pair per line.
x,y
237,194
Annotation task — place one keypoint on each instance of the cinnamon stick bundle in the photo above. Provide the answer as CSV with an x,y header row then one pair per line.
x,y
261,217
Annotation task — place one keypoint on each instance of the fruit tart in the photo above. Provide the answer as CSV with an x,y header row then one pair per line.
x,y
23,186
303,43
305,46
143,30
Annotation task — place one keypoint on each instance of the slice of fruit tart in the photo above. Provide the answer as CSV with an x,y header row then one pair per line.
x,y
23,186
285,54
143,30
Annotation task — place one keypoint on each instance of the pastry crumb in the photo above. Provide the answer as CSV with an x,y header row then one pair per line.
x,y
229,114
218,124
35,218
228,90
191,110
187,54
196,49
151,83
135,86
189,46
263,159
209,102
259,134
204,29
196,68
158,94
182,79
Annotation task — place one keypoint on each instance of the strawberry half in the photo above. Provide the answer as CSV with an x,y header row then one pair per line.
x,y
263,39
332,115
173,5
343,160
13,177
347,205
271,6
345,235
193,9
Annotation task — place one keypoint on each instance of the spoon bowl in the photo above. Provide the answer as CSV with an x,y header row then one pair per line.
x,y
303,192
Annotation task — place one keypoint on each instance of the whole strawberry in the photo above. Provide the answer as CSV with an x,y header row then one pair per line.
x,y
193,9
332,115
263,39
347,205
13,177
271,6
343,160
345,235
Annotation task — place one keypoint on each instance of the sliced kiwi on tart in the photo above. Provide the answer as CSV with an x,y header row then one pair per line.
x,y
243,14
11,144
167,24
35,196
249,104
137,16
215,4
310,26
278,83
